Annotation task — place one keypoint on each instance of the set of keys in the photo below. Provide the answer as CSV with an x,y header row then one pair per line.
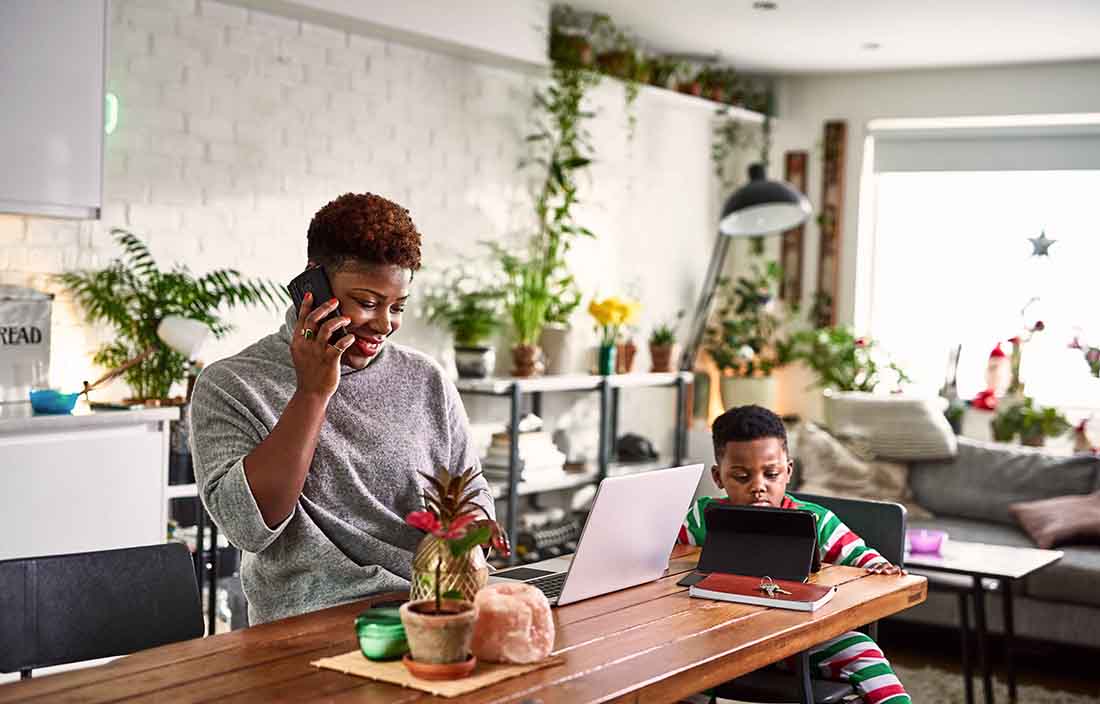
x,y
769,587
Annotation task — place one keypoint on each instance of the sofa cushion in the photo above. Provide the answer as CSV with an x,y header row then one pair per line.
x,y
1062,520
834,467
897,426
985,478
1072,579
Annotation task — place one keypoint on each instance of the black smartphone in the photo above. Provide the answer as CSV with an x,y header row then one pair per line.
x,y
314,280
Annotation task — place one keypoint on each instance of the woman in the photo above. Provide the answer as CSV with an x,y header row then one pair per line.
x,y
306,454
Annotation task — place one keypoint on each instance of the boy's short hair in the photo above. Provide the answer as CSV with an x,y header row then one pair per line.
x,y
745,423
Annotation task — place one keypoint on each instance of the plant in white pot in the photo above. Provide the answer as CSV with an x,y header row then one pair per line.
x,y
448,565
743,342
468,300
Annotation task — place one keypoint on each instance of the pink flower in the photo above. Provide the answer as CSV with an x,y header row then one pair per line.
x,y
457,529
1076,344
424,520
1014,340
1039,326
861,342
1093,355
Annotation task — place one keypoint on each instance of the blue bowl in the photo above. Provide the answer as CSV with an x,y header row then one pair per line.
x,y
53,401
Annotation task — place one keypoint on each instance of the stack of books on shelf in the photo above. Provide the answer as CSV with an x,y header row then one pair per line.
x,y
539,459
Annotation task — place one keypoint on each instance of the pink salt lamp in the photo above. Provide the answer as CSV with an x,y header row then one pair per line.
x,y
513,624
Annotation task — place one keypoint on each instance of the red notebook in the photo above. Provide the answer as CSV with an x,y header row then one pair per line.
x,y
746,590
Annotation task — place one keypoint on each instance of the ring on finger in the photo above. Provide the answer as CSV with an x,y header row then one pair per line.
x,y
307,333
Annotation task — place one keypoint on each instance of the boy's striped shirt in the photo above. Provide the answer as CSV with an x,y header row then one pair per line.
x,y
838,544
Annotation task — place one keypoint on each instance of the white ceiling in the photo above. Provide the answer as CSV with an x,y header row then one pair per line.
x,y
803,36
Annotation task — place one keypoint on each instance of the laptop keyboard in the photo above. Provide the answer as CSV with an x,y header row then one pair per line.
x,y
551,585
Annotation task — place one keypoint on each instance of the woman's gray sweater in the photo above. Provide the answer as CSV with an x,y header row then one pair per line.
x,y
346,537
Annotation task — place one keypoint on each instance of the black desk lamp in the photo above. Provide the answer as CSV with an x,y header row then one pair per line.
x,y
760,207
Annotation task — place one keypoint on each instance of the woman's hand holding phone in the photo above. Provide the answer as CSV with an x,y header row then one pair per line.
x,y
316,362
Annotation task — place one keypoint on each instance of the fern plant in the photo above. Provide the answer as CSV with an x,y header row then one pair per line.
x,y
133,295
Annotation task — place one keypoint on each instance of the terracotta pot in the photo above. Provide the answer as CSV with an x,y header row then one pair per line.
x,y
527,361
439,637
661,357
691,88
618,63
465,574
624,357
435,671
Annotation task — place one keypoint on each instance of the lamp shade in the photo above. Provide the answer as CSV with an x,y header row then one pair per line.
x,y
761,207
184,335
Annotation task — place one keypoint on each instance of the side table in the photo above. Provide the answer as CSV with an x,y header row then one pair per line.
x,y
978,562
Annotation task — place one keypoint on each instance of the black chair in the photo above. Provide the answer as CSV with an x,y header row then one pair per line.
x,y
881,524
67,608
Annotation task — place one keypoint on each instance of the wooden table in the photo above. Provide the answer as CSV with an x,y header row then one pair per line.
x,y
651,643
979,561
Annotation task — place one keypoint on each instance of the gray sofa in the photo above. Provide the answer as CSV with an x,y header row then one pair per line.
x,y
970,497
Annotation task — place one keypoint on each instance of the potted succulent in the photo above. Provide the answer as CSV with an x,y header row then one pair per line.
x,y
469,302
610,315
662,345
448,569
743,342
1034,424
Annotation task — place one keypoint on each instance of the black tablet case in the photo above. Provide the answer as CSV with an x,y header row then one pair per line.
x,y
760,541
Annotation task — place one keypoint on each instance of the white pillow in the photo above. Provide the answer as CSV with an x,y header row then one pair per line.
x,y
897,427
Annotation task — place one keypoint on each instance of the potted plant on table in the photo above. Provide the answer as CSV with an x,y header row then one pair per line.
x,y
662,345
743,341
469,302
448,569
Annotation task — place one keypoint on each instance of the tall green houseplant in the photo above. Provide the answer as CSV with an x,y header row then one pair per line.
x,y
133,295
560,149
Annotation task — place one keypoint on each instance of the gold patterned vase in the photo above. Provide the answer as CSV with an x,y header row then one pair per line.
x,y
466,574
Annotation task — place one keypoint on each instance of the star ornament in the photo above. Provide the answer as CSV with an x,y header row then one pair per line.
x,y
1040,246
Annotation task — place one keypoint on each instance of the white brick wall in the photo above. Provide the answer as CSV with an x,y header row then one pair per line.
x,y
235,126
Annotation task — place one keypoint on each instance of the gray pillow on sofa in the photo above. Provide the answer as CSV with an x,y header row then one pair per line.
x,y
985,478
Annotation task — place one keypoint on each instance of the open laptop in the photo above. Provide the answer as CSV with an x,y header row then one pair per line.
x,y
625,542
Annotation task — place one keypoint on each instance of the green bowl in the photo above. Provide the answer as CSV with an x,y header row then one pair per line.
x,y
381,635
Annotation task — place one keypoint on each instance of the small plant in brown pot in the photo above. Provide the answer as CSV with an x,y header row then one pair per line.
x,y
662,344
450,567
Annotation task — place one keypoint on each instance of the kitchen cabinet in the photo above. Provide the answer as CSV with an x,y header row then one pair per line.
x,y
52,59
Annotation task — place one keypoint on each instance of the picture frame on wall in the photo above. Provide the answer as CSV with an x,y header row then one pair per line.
x,y
792,246
829,221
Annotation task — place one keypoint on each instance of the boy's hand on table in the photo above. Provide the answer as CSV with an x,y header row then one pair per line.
x,y
886,568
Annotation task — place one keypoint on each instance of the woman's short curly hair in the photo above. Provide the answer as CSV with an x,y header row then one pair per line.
x,y
363,228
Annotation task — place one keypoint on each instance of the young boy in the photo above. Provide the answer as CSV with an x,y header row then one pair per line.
x,y
750,446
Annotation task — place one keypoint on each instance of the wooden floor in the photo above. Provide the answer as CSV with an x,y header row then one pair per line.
x,y
1060,667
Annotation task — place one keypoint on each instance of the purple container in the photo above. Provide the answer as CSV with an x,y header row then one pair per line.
x,y
924,541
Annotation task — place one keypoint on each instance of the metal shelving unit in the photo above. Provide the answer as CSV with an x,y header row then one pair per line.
x,y
609,388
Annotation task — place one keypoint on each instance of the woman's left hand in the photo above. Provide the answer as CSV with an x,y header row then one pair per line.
x,y
886,568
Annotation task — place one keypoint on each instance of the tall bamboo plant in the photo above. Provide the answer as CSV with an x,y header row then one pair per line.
x,y
133,295
543,289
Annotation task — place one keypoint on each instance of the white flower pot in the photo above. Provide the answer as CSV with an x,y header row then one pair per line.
x,y
743,391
